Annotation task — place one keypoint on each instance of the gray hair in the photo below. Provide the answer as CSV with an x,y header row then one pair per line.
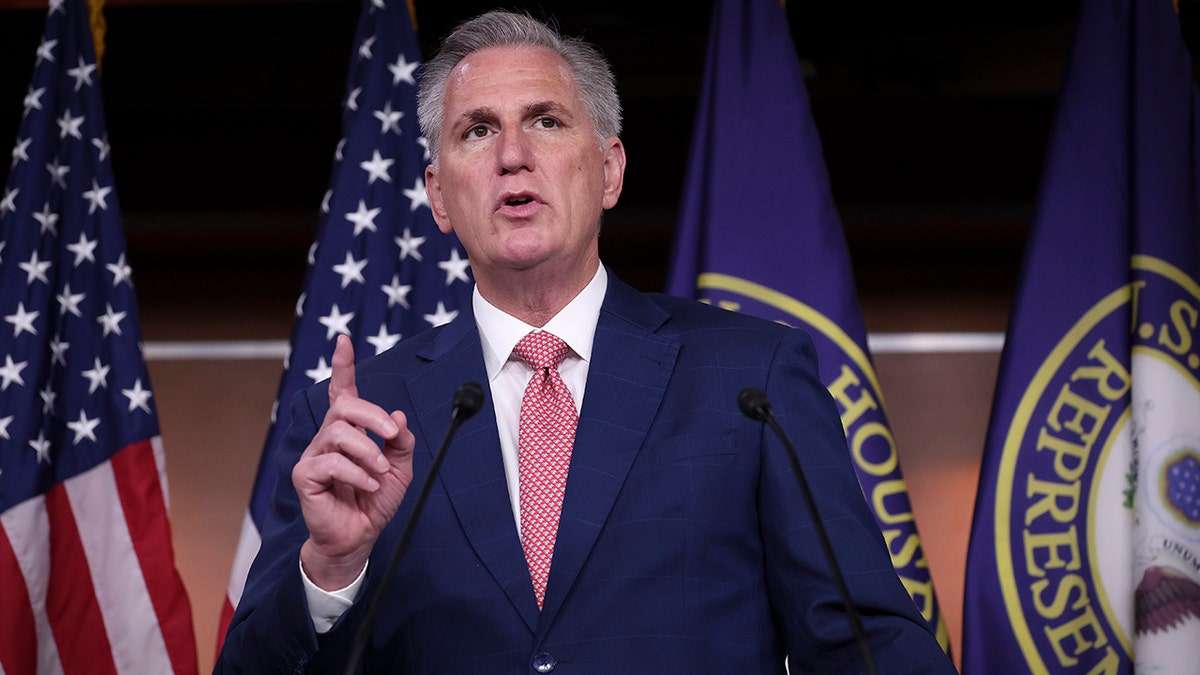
x,y
498,28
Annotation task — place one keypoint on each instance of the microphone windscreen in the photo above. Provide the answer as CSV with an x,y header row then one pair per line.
x,y
754,404
468,399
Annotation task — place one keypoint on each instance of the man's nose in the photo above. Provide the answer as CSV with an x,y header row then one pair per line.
x,y
514,150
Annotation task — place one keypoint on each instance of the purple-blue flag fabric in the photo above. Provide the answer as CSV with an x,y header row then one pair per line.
x,y
1085,548
759,233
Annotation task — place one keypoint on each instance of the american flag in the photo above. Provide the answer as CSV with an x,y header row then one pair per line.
x,y
379,269
87,576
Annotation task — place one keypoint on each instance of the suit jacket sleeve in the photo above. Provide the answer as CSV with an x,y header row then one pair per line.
x,y
803,593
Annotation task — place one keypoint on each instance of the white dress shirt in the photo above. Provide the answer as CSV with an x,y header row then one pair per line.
x,y
507,376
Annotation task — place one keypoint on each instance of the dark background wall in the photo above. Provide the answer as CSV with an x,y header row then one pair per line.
x,y
223,117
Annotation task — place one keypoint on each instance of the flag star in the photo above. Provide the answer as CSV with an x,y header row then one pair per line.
x,y
4,422
416,195
300,304
364,50
377,168
409,245
22,320
97,196
325,200
323,371
18,152
335,322
351,270
337,152
69,126
102,145
42,447
36,269
58,351
48,220
82,73
58,173
121,271
352,99
33,99
397,293
402,70
139,398
84,249
11,372
424,143
69,302
45,51
312,253
441,316
363,218
377,4
456,268
84,428
9,203
48,395
389,118
110,320
383,340
97,377
56,6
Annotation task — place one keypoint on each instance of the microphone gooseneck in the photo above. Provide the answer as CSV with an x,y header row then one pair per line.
x,y
468,399
755,405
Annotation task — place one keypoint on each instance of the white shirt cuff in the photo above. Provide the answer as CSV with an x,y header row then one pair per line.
x,y
326,607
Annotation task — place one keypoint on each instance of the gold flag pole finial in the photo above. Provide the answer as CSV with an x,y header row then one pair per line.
x,y
96,17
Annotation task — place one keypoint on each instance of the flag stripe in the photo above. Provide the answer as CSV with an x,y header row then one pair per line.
x,y
18,638
71,602
145,512
28,528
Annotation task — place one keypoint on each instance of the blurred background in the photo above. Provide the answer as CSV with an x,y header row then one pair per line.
x,y
223,116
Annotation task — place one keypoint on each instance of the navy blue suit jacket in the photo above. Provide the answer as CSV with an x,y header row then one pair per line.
x,y
684,544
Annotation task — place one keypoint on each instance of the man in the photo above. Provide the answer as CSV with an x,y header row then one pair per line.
x,y
660,531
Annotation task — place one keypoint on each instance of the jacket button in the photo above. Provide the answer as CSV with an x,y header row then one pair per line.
x,y
544,663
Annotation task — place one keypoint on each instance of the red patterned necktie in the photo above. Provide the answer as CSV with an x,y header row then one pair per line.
x,y
547,432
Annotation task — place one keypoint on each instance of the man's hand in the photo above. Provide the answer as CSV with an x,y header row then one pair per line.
x,y
348,489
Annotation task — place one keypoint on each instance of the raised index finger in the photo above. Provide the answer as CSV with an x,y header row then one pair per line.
x,y
341,382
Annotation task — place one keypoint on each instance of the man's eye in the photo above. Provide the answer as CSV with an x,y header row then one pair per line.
x,y
547,122
477,131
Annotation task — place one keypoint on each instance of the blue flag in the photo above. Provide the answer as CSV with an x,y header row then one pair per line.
x,y
1085,547
759,233
379,269
87,575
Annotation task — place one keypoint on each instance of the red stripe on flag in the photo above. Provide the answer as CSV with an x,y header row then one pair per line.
x,y
71,604
18,637
223,626
140,491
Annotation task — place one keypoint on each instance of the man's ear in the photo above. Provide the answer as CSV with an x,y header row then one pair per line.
x,y
614,171
433,190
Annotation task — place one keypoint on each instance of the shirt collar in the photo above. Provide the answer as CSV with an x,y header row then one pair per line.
x,y
575,324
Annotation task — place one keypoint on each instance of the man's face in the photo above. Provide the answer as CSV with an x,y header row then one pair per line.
x,y
522,178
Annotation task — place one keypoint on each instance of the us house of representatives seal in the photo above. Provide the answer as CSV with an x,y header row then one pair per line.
x,y
1097,514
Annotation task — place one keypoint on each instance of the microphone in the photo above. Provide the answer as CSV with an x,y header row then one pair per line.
x,y
755,405
468,399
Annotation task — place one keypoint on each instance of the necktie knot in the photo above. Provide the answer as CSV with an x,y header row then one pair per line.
x,y
541,350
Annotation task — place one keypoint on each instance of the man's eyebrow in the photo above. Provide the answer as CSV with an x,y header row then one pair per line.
x,y
480,114
544,107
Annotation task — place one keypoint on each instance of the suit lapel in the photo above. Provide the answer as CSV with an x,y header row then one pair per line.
x,y
473,470
627,378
